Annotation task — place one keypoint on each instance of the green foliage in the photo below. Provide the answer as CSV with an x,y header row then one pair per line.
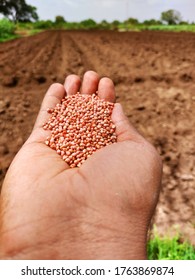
x,y
152,22
7,29
24,25
174,28
71,25
171,17
59,22
43,24
59,19
132,21
104,24
114,25
184,23
18,10
169,249
123,26
88,24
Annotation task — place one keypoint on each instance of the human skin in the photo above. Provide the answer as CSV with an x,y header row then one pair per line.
x,y
101,210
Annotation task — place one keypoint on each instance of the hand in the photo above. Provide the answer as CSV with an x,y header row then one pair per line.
x,y
101,210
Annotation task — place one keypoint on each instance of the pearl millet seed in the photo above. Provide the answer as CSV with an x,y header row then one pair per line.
x,y
80,125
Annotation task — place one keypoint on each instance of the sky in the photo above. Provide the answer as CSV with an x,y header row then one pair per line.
x,y
77,10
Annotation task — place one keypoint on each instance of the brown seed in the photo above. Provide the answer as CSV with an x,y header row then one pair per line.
x,y
79,126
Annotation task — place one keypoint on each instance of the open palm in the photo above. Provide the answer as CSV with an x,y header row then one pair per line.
x,y
100,210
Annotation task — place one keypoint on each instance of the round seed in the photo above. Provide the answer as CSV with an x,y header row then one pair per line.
x,y
79,126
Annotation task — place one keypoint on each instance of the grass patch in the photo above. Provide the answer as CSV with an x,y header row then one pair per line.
x,y
7,30
174,28
10,31
169,249
8,38
35,31
27,29
161,27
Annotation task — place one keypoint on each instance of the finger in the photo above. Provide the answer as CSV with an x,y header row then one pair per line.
x,y
106,90
54,95
90,82
124,129
72,84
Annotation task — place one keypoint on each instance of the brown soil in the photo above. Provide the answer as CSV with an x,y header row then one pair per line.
x,y
154,74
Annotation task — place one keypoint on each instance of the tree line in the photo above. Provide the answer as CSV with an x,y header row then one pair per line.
x,y
20,11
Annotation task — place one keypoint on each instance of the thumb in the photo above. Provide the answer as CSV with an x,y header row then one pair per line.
x,y
124,129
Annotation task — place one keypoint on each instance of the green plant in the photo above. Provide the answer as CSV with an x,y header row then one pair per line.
x,y
88,24
171,17
7,29
59,20
152,22
43,24
169,249
18,10
24,25
174,28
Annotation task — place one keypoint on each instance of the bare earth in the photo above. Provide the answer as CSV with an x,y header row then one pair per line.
x,y
154,74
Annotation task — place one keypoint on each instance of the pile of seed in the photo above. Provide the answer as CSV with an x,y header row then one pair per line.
x,y
79,126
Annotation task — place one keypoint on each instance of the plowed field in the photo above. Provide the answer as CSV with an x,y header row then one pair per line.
x,y
154,74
